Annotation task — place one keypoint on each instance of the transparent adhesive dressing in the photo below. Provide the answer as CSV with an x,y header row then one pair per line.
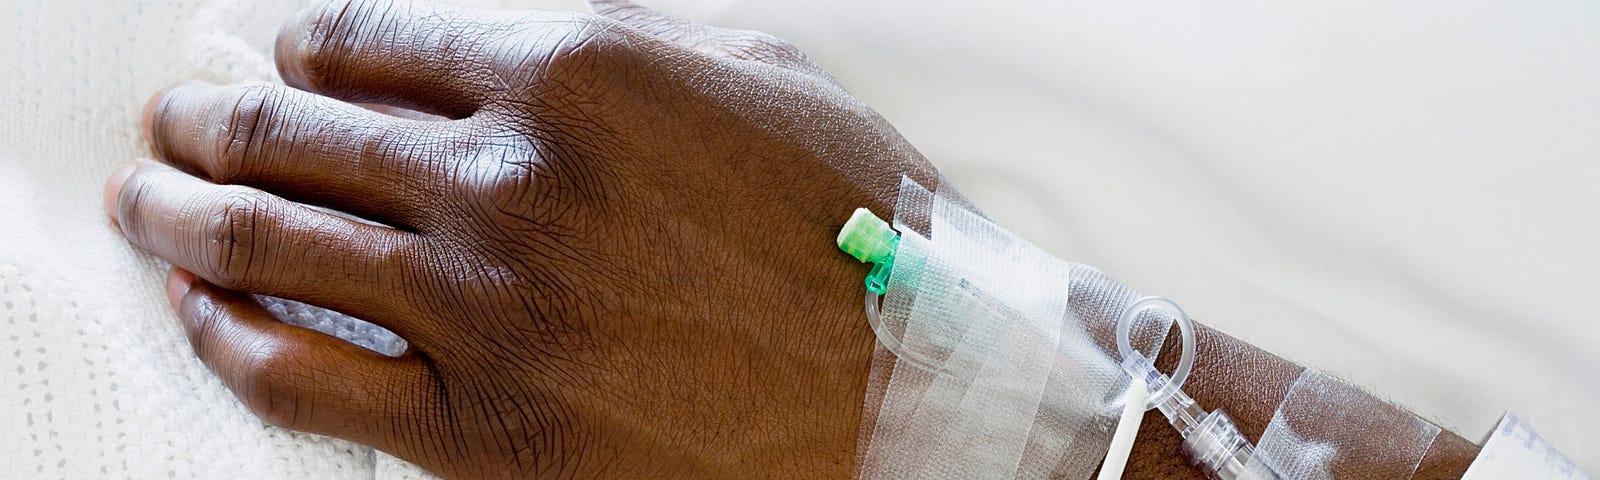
x,y
1210,438
997,360
995,357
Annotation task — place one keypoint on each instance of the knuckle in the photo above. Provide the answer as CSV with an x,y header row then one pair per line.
x,y
251,104
588,27
760,46
768,40
268,385
230,232
570,65
330,30
260,371
590,39
618,9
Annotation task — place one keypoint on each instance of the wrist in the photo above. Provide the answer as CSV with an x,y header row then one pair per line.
x,y
1249,384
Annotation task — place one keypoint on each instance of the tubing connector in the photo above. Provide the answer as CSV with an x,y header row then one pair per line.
x,y
870,240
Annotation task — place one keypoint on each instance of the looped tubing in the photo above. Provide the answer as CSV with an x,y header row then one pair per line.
x,y
1185,331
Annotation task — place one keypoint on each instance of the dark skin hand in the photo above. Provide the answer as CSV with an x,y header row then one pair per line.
x,y
607,239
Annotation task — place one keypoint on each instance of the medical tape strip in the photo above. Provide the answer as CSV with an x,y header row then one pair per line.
x,y
1025,387
914,206
1514,450
971,418
1326,428
1074,431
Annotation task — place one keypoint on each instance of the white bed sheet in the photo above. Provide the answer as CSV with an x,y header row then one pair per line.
x,y
1400,193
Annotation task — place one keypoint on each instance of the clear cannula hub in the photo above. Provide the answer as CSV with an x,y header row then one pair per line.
x,y
1210,439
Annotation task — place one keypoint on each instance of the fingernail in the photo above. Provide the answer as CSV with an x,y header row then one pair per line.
x,y
114,188
178,283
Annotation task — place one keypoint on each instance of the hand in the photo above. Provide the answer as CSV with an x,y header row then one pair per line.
x,y
611,251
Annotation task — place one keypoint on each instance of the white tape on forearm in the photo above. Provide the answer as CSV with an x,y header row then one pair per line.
x,y
1514,450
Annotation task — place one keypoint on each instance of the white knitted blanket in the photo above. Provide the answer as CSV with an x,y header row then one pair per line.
x,y
1401,193
97,380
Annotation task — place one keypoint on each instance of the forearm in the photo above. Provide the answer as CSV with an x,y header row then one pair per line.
x,y
1249,383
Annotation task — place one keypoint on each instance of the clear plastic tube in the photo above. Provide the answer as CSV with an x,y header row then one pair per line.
x,y
888,339
1211,440
1165,388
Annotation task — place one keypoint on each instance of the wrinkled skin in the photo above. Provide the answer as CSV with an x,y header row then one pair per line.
x,y
607,238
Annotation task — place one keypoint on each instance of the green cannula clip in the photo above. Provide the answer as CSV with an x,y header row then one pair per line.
x,y
870,240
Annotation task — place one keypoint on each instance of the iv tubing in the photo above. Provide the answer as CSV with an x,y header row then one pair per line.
x,y
1159,391
1210,439
890,341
